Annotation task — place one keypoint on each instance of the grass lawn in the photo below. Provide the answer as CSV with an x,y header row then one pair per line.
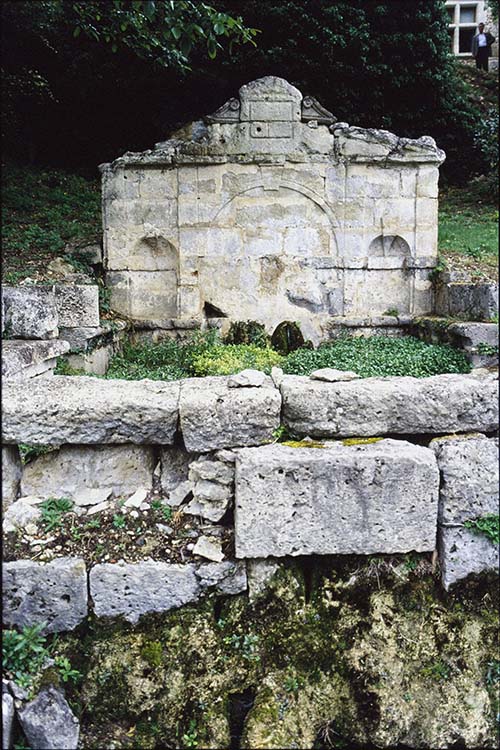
x,y
468,235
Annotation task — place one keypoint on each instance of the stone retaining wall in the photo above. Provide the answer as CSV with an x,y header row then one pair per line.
x,y
210,444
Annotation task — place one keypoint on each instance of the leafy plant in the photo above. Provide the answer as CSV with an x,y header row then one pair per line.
x,y
488,526
119,521
166,512
392,311
53,510
65,671
487,349
30,452
379,356
190,738
226,360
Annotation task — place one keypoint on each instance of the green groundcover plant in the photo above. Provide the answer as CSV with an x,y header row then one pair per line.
x,y
205,354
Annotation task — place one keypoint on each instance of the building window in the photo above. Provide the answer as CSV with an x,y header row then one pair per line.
x,y
463,20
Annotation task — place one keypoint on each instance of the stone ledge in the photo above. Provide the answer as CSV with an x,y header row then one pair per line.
x,y
392,405
85,410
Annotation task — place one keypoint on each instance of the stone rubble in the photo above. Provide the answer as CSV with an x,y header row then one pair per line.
x,y
212,488
330,375
204,547
19,514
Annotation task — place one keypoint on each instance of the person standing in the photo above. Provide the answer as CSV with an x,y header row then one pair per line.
x,y
481,47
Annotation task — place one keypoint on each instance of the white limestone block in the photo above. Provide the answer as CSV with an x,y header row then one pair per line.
x,y
340,499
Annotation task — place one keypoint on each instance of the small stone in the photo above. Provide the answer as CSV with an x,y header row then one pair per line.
x,y
164,528
145,506
134,514
91,496
177,496
18,692
247,379
18,515
31,499
136,500
190,546
157,469
329,375
206,548
277,376
98,508
60,267
228,457
31,529
48,722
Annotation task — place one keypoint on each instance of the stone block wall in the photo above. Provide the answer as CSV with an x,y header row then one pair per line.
x,y
272,210
210,445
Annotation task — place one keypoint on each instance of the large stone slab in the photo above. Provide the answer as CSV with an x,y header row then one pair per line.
x,y
11,475
77,305
340,499
213,415
49,723
469,477
134,589
82,410
29,359
66,472
30,312
393,405
53,593
463,552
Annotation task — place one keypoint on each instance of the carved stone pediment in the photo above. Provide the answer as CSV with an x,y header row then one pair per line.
x,y
313,110
229,112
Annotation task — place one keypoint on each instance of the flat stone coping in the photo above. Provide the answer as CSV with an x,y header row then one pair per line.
x,y
18,354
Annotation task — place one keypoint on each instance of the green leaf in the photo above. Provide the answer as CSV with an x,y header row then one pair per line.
x,y
212,48
176,32
114,47
219,28
77,31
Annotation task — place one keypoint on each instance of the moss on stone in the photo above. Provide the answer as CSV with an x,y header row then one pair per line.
x,y
303,444
361,441
376,656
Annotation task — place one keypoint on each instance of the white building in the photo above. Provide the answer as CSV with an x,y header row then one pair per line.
x,y
464,17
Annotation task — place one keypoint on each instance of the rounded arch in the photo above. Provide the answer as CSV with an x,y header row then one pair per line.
x,y
389,245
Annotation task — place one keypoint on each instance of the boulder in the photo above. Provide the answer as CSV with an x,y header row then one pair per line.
x,y
30,312
65,409
330,375
212,415
469,477
49,723
392,405
462,552
54,593
341,499
134,589
74,470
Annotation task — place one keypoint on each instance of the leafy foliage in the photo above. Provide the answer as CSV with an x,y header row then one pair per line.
x,y
232,358
488,526
25,653
43,210
162,32
53,510
379,356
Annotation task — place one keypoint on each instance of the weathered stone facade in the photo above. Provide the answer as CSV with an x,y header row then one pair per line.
x,y
271,210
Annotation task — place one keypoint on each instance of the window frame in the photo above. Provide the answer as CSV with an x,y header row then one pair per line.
x,y
455,26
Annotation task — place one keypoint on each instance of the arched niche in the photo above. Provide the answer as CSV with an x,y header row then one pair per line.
x,y
157,253
389,246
